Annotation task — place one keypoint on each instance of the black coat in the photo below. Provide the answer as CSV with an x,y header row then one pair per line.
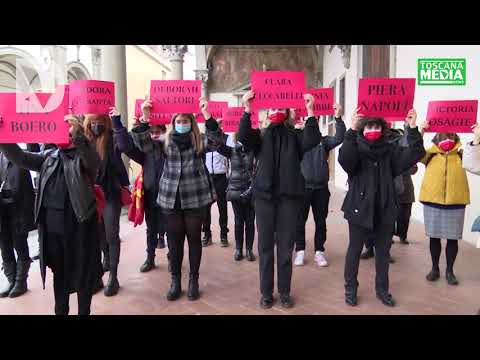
x,y
279,150
80,172
315,162
19,182
370,176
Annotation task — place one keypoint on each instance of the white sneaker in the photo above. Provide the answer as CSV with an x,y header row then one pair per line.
x,y
321,259
299,259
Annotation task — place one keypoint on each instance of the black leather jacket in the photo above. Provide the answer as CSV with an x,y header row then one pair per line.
x,y
79,173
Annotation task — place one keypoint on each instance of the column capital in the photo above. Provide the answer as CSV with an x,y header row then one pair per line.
x,y
201,75
175,52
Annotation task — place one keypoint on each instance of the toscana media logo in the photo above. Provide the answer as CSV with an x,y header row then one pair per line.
x,y
441,72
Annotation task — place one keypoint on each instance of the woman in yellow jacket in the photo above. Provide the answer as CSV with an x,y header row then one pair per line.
x,y
444,195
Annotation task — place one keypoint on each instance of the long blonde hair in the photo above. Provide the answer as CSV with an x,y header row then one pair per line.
x,y
195,133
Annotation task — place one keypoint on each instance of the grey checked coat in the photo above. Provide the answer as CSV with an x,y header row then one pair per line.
x,y
184,171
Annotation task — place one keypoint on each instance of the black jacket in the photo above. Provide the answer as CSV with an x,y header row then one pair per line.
x,y
151,161
371,198
18,183
79,172
315,162
279,150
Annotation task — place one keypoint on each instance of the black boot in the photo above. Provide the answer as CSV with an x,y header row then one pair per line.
x,y
386,299
287,301
451,278
250,256
20,287
175,288
433,275
207,240
112,285
351,297
148,265
10,270
266,302
193,293
368,253
238,255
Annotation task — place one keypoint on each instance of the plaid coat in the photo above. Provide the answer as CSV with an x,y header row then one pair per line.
x,y
196,189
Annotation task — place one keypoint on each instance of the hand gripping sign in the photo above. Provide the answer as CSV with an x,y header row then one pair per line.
x,y
34,117
386,97
457,116
215,108
323,104
92,97
278,89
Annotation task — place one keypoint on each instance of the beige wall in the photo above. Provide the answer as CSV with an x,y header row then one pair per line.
x,y
143,65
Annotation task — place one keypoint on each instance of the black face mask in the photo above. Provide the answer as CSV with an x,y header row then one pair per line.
x,y
98,129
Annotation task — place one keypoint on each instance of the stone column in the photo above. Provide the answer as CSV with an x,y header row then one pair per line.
x,y
203,75
114,68
175,54
54,66
96,62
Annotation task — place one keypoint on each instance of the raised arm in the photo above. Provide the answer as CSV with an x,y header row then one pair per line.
x,y
124,143
249,137
471,155
310,136
405,157
23,159
331,142
89,158
348,156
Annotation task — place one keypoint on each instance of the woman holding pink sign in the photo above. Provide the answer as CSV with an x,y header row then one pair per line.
x,y
370,206
112,177
184,190
444,194
278,190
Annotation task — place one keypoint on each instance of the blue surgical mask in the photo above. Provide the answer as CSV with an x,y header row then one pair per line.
x,y
183,128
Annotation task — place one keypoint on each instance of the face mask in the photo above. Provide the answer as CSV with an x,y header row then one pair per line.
x,y
372,135
446,145
98,129
277,117
156,137
182,128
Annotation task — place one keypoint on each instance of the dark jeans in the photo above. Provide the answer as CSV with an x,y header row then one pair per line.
x,y
318,200
403,220
156,227
55,255
276,223
244,223
109,234
10,241
183,224
382,239
220,183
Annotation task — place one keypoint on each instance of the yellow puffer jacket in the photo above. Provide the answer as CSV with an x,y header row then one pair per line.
x,y
445,181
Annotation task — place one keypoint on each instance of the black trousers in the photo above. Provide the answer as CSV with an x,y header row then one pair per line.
x,y
382,236
403,220
244,224
318,200
11,241
55,255
110,233
156,226
181,224
220,183
276,223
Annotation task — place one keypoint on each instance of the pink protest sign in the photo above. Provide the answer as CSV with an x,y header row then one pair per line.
x,y
231,118
278,89
92,96
215,108
456,116
34,117
323,104
175,96
386,97
160,118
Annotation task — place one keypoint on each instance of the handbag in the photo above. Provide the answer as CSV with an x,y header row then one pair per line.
x,y
125,196
100,201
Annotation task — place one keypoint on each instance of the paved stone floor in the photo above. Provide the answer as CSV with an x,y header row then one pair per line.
x,y
230,287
